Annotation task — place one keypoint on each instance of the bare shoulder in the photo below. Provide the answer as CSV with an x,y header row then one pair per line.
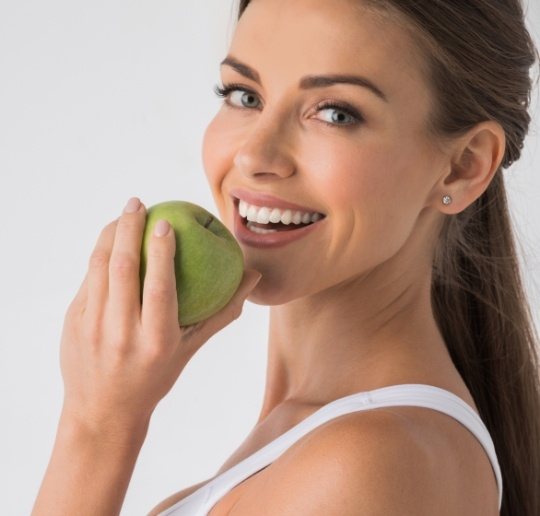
x,y
371,463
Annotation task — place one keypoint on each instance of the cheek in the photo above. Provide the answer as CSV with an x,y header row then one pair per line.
x,y
351,175
217,161
374,192
214,152
375,176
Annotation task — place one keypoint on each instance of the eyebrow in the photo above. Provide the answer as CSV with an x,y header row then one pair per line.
x,y
310,81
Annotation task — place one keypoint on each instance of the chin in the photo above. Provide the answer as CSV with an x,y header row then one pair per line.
x,y
269,293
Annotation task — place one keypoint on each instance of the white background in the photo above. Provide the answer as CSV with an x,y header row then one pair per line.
x,y
101,101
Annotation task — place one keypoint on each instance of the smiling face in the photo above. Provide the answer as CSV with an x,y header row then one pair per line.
x,y
367,164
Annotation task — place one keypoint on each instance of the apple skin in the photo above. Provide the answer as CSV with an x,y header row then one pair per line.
x,y
208,263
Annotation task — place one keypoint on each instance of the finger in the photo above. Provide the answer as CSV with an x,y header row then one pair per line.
x,y
232,310
97,277
80,299
159,316
124,283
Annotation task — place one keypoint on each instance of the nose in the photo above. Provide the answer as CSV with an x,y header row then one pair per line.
x,y
266,151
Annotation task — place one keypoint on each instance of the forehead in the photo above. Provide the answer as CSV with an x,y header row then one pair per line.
x,y
301,37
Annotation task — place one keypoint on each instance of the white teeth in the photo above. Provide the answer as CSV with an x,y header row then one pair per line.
x,y
264,215
261,231
275,216
286,218
252,213
297,217
242,209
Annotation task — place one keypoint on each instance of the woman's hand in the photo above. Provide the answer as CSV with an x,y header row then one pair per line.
x,y
118,358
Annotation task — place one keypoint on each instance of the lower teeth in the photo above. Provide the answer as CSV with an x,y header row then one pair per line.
x,y
259,230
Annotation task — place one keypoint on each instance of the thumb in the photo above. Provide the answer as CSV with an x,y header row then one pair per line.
x,y
249,282
232,311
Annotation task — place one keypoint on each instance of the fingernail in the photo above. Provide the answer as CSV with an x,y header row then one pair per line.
x,y
161,228
132,205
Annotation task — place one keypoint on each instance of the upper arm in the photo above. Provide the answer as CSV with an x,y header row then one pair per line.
x,y
371,466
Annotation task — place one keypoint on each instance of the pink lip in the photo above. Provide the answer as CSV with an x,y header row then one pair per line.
x,y
264,199
269,240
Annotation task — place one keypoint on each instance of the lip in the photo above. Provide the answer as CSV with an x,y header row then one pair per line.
x,y
269,240
264,199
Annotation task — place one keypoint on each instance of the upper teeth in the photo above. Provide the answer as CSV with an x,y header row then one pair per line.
x,y
264,215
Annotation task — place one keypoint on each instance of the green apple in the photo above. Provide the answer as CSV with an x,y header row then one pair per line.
x,y
209,263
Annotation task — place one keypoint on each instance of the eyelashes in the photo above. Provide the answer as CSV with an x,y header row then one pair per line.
x,y
354,116
228,88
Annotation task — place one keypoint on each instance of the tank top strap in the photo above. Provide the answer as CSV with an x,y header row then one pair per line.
x,y
419,395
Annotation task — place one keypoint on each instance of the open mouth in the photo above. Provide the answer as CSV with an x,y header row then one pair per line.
x,y
273,227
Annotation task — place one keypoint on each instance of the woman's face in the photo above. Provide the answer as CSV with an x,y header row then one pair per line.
x,y
367,164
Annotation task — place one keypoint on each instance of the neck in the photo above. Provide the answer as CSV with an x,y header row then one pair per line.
x,y
365,333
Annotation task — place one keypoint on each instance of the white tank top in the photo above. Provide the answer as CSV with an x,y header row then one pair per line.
x,y
201,501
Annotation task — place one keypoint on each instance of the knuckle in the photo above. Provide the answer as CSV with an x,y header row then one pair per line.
x,y
128,222
74,307
74,311
158,291
110,227
230,313
158,251
237,313
236,310
123,265
92,334
106,230
154,254
120,341
99,259
70,318
107,233
155,354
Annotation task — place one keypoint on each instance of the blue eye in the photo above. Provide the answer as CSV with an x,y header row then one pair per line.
x,y
343,114
346,115
229,89
248,94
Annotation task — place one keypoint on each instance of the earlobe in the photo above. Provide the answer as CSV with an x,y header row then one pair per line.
x,y
477,158
447,199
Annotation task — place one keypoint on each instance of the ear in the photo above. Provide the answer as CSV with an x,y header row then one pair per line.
x,y
473,162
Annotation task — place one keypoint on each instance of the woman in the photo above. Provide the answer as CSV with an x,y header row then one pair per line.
x,y
402,373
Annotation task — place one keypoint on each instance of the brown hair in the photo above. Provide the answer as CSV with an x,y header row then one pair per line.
x,y
478,55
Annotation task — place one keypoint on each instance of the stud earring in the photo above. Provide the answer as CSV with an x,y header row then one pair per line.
x,y
447,200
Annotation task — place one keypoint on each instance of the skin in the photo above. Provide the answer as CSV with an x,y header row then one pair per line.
x,y
350,306
118,358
